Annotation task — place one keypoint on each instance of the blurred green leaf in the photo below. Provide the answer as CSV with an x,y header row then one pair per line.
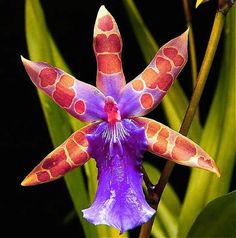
x,y
217,219
166,221
220,126
41,47
175,102
218,137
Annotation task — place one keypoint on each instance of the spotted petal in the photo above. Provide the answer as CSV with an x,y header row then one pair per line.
x,y
71,154
80,99
173,146
146,91
107,47
119,200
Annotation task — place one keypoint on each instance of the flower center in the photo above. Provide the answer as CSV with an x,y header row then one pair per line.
x,y
112,110
115,134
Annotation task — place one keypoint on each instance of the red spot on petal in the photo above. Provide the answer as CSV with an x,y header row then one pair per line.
x,y
146,100
63,94
54,159
183,149
164,133
80,107
163,65
43,176
48,77
164,81
109,63
150,77
170,52
178,60
81,139
114,43
138,85
81,158
152,129
67,81
62,168
205,163
77,155
105,23
56,163
160,147
110,44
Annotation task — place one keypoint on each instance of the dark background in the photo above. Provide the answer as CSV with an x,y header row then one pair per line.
x,y
25,140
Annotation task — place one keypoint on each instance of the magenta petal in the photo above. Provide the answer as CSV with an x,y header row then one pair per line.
x,y
146,91
119,200
110,85
107,45
80,99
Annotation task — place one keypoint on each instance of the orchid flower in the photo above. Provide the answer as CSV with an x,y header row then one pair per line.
x,y
117,135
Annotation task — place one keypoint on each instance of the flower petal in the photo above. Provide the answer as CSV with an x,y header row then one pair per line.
x,y
146,91
71,154
119,200
80,99
107,46
173,146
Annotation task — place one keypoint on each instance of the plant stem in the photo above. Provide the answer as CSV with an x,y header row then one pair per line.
x,y
192,50
204,71
202,77
192,54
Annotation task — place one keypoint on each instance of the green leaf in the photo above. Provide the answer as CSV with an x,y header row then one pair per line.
x,y
218,137
222,128
217,219
166,220
175,102
41,47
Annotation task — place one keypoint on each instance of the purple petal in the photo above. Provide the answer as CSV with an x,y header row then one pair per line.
x,y
107,45
110,85
146,91
80,99
119,200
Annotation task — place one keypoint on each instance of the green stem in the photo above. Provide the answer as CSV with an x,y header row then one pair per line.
x,y
204,71
202,77
192,54
153,196
192,50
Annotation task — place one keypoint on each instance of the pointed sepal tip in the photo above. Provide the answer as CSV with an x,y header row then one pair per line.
x,y
25,61
102,11
29,180
216,170
184,35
